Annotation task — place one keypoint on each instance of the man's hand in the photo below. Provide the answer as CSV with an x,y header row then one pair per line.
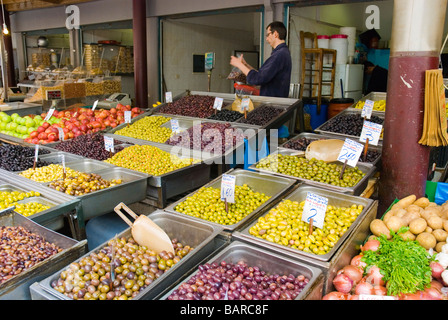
x,y
240,63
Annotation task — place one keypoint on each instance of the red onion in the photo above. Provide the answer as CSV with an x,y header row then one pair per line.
x,y
343,283
411,296
363,288
357,262
374,276
432,294
436,285
336,295
372,245
352,272
436,269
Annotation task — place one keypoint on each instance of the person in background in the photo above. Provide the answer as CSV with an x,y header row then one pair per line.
x,y
274,76
376,78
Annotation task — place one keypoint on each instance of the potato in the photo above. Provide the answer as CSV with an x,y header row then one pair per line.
x,y
435,222
432,204
445,225
394,223
440,234
417,226
414,208
426,240
388,214
439,246
429,212
407,201
408,235
422,202
428,229
400,212
378,228
410,216
444,214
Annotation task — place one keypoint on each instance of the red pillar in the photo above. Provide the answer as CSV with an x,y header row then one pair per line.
x,y
140,62
404,161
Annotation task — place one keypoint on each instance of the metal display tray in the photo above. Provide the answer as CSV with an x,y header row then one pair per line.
x,y
202,237
299,195
344,112
271,263
372,96
356,190
314,137
289,105
17,288
270,185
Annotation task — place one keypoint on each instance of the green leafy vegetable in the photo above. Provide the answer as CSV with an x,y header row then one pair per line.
x,y
404,264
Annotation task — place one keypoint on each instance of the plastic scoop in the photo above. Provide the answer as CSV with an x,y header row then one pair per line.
x,y
145,232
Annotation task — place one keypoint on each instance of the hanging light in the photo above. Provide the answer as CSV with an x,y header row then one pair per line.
x,y
4,28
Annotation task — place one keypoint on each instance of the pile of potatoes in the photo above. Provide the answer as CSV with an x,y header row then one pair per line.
x,y
427,222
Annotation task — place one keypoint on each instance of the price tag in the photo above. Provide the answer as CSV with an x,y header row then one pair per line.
x,y
350,151
175,125
168,97
372,131
218,103
127,116
94,105
62,156
49,114
109,144
36,152
245,104
367,109
61,134
315,208
228,188
375,297
31,77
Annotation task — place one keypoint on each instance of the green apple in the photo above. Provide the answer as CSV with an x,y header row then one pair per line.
x,y
6,118
13,126
3,125
15,115
30,123
30,129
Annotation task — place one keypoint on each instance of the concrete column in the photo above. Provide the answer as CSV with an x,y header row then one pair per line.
x,y
417,31
140,58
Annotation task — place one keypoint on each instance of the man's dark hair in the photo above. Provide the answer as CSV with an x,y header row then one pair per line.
x,y
279,27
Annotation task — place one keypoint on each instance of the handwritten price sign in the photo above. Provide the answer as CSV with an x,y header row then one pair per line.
x,y
228,188
367,109
372,131
218,103
168,97
175,125
245,104
109,143
350,151
315,208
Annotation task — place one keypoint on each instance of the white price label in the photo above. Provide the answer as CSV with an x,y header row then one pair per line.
x,y
351,151
315,208
175,125
245,104
49,114
94,105
372,131
367,109
168,97
228,188
109,144
61,134
36,152
375,297
127,116
218,103
62,161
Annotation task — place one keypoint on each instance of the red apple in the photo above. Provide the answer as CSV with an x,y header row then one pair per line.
x,y
42,136
45,125
52,137
33,134
35,140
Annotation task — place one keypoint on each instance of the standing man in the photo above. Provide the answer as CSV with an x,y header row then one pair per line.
x,y
274,76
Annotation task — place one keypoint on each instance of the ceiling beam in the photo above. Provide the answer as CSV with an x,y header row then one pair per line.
x,y
22,5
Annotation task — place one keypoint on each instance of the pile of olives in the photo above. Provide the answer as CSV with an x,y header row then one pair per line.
x,y
262,115
19,158
312,169
148,159
283,225
134,268
349,124
197,106
226,115
9,199
206,204
30,208
83,183
49,173
148,128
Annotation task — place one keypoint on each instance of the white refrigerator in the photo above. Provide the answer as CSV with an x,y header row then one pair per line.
x,y
352,76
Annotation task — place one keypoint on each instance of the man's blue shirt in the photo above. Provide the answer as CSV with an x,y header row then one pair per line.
x,y
274,76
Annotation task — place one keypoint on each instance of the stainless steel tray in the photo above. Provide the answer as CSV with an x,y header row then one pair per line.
x,y
314,137
334,199
373,96
348,111
55,157
271,263
198,235
356,190
17,288
270,185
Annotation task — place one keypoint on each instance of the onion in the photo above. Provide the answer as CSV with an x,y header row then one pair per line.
x,y
432,294
363,288
436,269
336,295
411,296
436,285
374,276
352,272
343,283
372,244
380,290
356,261
354,297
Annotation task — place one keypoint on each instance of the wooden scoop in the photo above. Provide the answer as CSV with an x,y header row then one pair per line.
x,y
145,232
